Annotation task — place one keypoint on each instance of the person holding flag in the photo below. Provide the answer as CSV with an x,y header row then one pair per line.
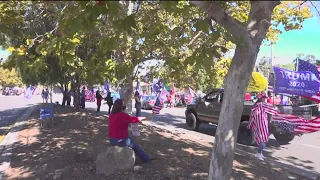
x,y
259,123
99,99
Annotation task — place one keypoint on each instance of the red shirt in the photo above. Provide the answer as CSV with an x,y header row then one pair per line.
x,y
119,124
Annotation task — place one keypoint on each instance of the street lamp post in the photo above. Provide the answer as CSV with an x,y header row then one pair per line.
x,y
270,66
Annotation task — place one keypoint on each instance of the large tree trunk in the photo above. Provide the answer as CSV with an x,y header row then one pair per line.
x,y
76,97
128,85
236,84
249,37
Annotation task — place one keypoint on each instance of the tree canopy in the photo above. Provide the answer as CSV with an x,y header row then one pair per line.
x,y
90,41
10,78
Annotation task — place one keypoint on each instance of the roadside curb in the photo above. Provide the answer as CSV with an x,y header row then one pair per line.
x,y
308,174
10,139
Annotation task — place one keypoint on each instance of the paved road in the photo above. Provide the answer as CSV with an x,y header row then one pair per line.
x,y
11,107
301,152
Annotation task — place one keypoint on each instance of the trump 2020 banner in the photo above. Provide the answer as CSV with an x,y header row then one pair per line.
x,y
301,83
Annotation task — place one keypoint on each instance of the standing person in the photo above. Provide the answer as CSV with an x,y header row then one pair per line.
x,y
83,98
169,101
259,123
99,99
43,95
109,101
47,95
69,98
92,95
183,101
65,96
137,104
270,98
118,130
121,91
173,100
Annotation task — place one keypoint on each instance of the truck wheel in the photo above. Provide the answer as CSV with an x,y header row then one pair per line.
x,y
245,135
283,138
192,122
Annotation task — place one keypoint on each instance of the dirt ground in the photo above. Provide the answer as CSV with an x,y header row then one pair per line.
x,y
69,149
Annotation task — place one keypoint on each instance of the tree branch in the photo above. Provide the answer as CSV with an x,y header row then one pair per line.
x,y
315,7
259,19
219,15
194,38
135,74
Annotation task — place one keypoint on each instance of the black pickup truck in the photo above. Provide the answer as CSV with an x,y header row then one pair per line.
x,y
207,110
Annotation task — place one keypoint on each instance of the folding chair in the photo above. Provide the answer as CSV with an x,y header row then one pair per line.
x,y
45,114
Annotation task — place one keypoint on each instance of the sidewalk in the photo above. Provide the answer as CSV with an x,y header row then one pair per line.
x,y
69,150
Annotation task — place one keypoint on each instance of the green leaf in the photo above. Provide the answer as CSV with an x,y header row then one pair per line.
x,y
202,25
76,40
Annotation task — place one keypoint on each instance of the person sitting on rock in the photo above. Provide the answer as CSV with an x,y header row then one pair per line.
x,y
118,130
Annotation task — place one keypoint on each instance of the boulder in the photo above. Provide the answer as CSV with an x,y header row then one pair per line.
x,y
115,159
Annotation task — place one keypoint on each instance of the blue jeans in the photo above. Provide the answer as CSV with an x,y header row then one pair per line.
x,y
261,146
82,102
130,143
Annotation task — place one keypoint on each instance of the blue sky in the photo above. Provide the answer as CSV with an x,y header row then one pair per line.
x,y
4,54
305,40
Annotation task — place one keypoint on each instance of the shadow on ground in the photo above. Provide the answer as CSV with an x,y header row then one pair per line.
x,y
68,151
8,118
273,145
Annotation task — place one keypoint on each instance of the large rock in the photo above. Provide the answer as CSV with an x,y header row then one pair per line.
x,y
115,159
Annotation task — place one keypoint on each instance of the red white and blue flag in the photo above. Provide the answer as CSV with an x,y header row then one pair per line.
x,y
306,66
190,95
172,89
164,93
296,125
157,106
258,121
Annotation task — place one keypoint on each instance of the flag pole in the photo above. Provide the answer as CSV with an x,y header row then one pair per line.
x,y
297,64
296,68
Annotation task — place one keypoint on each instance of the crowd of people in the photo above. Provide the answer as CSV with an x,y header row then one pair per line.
x,y
274,99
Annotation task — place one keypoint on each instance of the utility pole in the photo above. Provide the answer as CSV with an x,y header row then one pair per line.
x,y
270,66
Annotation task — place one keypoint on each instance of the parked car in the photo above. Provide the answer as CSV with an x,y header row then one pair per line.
x,y
114,95
148,101
207,110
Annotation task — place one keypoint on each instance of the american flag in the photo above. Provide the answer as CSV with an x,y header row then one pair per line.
x,y
190,95
306,66
258,121
296,125
157,106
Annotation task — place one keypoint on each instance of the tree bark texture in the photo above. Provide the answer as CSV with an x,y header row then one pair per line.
x,y
76,97
128,84
248,37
